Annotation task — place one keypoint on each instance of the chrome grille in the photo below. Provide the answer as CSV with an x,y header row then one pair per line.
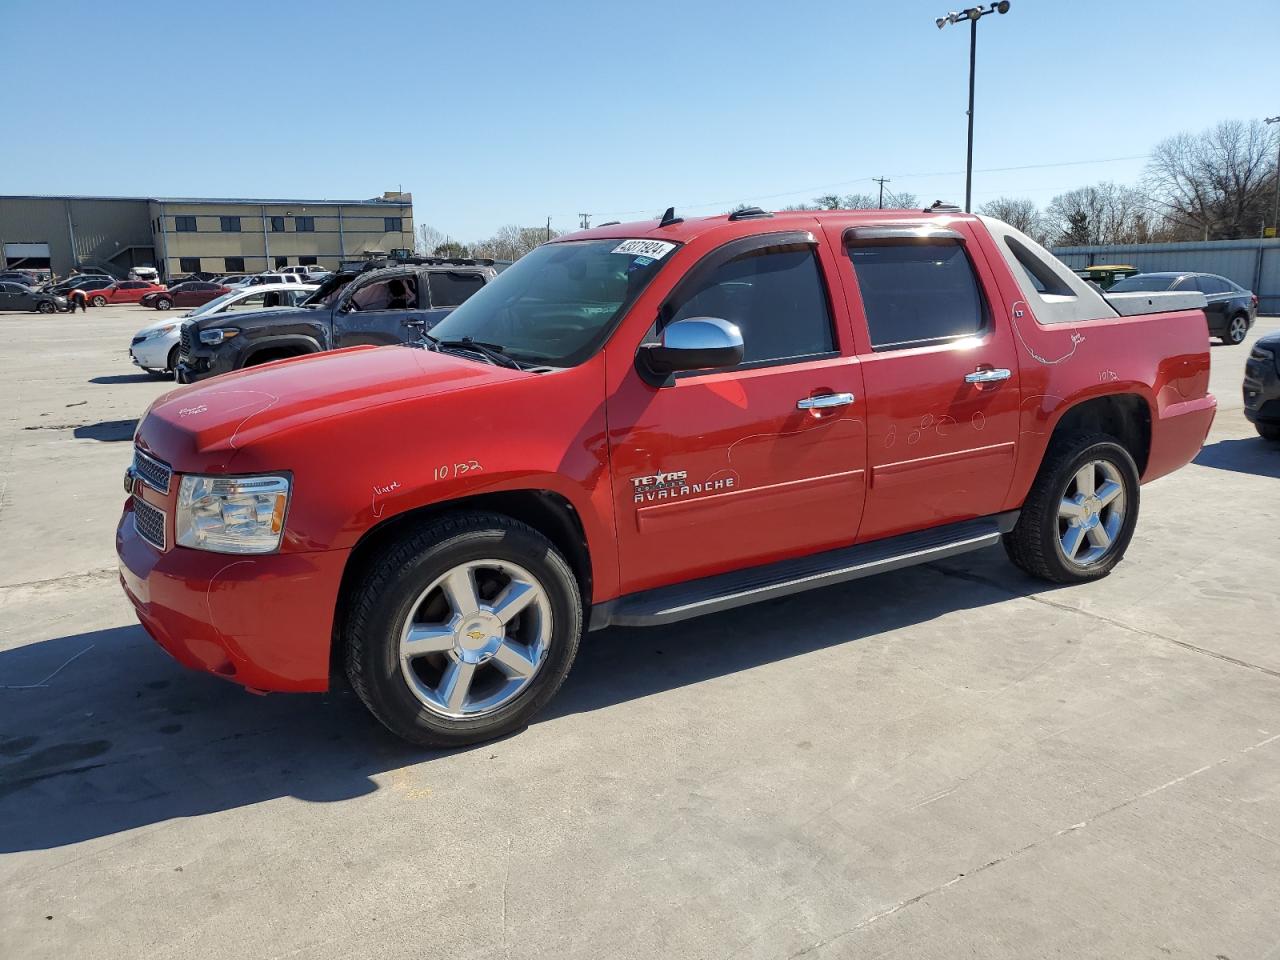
x,y
152,472
149,522
184,341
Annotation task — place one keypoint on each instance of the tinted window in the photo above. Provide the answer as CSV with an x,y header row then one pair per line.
x,y
1142,282
189,264
917,293
775,295
230,224
450,289
133,285
304,224
1213,285
234,264
184,225
277,224
306,261
391,224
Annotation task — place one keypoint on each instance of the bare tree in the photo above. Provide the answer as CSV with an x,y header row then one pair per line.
x,y
1021,213
902,200
1103,213
512,242
428,238
1214,185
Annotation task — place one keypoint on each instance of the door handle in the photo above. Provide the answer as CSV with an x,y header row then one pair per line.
x,y
987,376
825,401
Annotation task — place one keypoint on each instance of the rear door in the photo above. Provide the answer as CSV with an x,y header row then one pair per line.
x,y
940,368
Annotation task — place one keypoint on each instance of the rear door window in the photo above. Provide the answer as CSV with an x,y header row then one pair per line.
x,y
917,293
452,287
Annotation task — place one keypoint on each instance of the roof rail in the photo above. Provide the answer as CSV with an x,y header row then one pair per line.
x,y
940,206
610,223
750,213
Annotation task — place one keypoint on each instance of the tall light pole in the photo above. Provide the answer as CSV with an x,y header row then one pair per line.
x,y
1275,217
973,15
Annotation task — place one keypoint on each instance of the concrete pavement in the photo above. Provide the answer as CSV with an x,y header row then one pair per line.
x,y
949,761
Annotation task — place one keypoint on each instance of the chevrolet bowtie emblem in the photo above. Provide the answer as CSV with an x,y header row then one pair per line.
x,y
475,634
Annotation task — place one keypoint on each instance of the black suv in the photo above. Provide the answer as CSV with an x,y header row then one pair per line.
x,y
1230,308
378,304
1262,386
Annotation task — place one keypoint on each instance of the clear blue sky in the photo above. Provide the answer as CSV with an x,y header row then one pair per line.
x,y
510,112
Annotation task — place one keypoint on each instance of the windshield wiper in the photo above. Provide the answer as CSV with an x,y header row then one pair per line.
x,y
493,352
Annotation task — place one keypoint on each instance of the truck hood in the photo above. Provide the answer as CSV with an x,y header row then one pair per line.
x,y
203,425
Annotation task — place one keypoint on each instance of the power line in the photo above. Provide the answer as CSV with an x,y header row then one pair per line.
x,y
900,176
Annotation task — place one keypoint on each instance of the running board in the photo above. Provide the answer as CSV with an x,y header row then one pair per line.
x,y
681,601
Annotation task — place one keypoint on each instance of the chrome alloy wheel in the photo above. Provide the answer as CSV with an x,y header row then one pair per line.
x,y
1091,513
475,638
1238,330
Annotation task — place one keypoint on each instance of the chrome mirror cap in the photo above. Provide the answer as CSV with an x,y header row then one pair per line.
x,y
695,343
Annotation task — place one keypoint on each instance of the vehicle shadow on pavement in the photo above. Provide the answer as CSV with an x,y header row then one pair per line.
x,y
107,431
1253,455
124,378
101,732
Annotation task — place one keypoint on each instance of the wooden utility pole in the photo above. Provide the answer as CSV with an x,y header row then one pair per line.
x,y
882,181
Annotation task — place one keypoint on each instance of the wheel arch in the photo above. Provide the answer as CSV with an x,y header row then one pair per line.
x,y
548,512
1125,416
282,347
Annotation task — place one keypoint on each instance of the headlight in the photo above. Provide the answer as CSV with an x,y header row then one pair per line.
x,y
160,331
216,336
231,514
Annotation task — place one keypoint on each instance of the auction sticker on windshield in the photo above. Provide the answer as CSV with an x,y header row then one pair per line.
x,y
657,249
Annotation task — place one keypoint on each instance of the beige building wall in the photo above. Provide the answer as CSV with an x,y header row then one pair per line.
x,y
269,235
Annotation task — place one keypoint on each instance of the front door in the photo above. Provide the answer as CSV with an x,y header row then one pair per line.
x,y
728,469
941,372
376,311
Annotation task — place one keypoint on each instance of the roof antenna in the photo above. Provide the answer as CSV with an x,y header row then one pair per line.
x,y
669,218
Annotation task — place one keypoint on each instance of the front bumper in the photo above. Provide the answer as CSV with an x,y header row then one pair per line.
x,y
153,353
263,621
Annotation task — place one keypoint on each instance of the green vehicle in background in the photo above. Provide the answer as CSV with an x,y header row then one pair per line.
x,y
1104,275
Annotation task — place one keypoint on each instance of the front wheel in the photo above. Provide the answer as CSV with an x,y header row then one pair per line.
x,y
1237,330
1268,431
47,307
1079,517
163,303
462,629
99,301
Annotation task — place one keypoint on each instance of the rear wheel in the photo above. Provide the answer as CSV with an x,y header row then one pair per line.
x,y
462,629
99,301
1079,517
1237,330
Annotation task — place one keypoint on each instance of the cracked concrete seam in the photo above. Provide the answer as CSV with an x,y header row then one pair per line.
x,y
1102,618
1014,854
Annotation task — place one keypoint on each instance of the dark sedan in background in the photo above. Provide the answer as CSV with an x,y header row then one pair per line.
x,y
193,293
17,296
1231,309
1262,386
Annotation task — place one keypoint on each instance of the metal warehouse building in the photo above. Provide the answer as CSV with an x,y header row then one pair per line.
x,y
182,235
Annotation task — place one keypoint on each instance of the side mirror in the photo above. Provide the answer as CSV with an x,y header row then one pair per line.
x,y
695,343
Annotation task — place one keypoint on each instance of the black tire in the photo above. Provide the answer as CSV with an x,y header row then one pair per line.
x,y
1034,544
1269,431
171,361
386,592
1236,333
47,306
98,301
163,303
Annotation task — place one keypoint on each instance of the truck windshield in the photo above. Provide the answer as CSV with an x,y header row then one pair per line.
x,y
556,305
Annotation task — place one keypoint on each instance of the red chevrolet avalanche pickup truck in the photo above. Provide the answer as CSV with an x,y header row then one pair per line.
x,y
645,422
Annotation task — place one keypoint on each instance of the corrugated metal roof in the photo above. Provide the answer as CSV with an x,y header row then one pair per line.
x,y
375,202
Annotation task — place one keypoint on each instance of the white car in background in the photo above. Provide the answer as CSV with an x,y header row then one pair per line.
x,y
154,348
261,279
